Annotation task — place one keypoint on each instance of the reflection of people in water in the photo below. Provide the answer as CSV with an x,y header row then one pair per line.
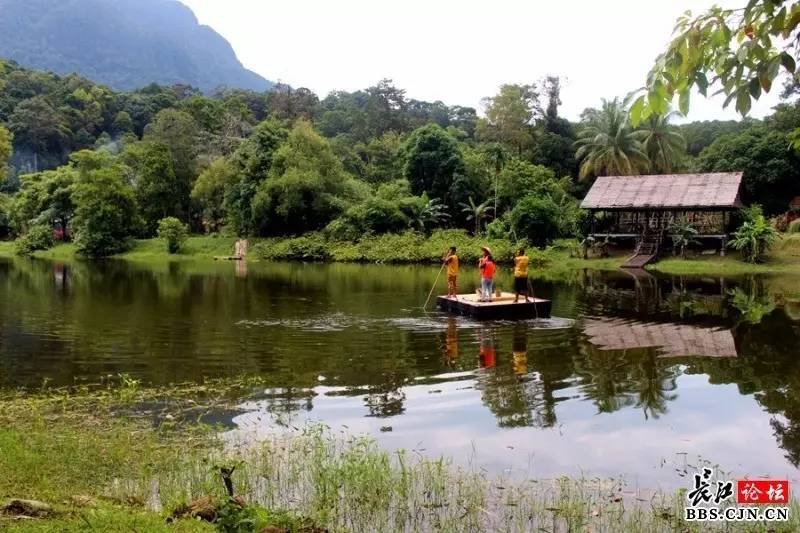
x,y
519,349
61,276
451,341
487,354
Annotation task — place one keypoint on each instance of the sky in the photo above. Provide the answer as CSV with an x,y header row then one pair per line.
x,y
459,51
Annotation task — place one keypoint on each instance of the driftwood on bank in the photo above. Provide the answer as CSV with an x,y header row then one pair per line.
x,y
30,508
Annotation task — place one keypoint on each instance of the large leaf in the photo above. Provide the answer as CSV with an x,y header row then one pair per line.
x,y
636,110
788,62
743,102
683,101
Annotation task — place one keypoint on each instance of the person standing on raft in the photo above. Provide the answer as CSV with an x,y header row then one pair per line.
x,y
451,260
487,268
521,262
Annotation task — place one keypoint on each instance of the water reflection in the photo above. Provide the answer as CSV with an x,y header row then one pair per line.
x,y
706,365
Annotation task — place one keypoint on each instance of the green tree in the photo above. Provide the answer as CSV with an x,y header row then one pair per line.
x,y
178,131
123,123
287,103
509,117
44,198
476,213
209,192
40,128
740,51
536,219
520,178
105,215
607,144
159,192
173,232
307,186
767,160
433,159
5,151
6,226
253,161
662,142
386,108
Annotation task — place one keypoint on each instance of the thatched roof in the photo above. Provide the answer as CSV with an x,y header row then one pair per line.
x,y
665,191
671,339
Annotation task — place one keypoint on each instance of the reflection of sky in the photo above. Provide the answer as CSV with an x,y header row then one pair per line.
x,y
724,428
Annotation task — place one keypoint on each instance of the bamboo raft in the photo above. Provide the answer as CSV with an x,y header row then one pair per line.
x,y
500,308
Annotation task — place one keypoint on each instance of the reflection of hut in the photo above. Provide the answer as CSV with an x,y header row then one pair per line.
x,y
671,339
643,208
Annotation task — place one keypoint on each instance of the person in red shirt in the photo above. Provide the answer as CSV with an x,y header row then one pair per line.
x,y
487,268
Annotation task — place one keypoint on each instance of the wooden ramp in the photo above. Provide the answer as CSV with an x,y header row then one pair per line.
x,y
638,260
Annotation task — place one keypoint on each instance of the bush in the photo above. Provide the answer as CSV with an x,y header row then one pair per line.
x,y
755,236
174,232
497,229
105,214
39,237
794,226
5,215
537,219
406,247
310,247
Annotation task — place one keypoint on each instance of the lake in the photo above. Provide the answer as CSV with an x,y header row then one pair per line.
x,y
636,375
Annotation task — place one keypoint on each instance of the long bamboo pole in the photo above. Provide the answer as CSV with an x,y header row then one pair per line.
x,y
436,281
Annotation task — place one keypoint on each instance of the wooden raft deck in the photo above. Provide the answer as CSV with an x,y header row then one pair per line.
x,y
499,308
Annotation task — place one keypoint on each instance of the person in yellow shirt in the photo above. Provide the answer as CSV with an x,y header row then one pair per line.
x,y
451,260
521,262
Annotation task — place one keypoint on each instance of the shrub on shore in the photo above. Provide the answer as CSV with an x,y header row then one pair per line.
x,y
408,247
38,237
173,232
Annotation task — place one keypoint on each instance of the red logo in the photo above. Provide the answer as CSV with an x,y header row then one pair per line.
x,y
762,491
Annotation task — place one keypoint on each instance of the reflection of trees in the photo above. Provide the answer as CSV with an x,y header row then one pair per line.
x,y
768,367
753,304
615,379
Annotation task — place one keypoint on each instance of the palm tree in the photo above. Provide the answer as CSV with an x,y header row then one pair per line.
x,y
684,234
476,212
607,144
430,215
662,142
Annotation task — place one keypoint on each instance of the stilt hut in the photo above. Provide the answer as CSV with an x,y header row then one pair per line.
x,y
642,209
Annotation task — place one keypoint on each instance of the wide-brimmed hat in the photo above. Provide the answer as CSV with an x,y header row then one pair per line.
x,y
487,249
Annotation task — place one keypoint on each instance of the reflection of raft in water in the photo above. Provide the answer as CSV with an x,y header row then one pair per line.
x,y
500,308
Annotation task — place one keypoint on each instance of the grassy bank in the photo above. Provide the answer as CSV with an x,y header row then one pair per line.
x,y
105,465
414,248
783,258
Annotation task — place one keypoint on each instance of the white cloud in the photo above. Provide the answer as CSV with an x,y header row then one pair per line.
x,y
458,51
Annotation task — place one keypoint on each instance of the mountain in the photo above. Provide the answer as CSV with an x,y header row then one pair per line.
x,y
122,43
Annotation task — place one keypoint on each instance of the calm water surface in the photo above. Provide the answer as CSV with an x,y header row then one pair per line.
x,y
635,375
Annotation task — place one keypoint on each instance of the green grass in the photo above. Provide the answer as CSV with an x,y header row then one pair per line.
x,y
783,258
104,447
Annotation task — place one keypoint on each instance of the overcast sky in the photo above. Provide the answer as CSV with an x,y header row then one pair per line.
x,y
459,51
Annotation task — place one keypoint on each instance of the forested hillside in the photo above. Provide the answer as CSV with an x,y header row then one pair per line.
x,y
125,44
106,166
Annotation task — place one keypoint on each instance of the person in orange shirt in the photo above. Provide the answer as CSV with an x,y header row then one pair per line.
x,y
451,260
487,268
521,262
